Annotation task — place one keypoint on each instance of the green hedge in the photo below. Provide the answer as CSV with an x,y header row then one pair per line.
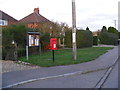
x,y
95,40
21,52
108,38
68,39
84,39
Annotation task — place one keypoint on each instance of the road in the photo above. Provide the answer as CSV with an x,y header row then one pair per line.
x,y
112,80
77,81
88,80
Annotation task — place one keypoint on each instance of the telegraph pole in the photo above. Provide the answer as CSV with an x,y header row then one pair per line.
x,y
115,23
74,29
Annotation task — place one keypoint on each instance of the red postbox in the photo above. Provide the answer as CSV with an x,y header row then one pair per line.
x,y
53,44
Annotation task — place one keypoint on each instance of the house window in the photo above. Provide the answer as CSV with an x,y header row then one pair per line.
x,y
3,23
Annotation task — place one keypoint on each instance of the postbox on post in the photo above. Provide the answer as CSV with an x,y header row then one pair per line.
x,y
53,45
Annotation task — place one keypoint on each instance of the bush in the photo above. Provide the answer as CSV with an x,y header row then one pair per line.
x,y
6,42
68,38
108,38
119,34
84,39
16,33
95,40
21,52
45,41
112,30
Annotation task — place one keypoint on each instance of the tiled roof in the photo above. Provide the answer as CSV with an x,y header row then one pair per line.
x,y
5,16
34,18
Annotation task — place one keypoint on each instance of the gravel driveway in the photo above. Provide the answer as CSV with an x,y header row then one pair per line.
x,y
9,66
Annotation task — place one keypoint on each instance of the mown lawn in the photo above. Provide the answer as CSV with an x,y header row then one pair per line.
x,y
64,57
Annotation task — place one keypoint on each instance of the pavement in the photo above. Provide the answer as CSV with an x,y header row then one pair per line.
x,y
105,61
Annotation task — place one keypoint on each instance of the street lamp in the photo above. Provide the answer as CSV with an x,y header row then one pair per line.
x,y
74,29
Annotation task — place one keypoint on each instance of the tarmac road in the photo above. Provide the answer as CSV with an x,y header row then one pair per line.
x,y
112,80
88,80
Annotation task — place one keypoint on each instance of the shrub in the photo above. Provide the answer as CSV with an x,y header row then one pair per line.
x,y
68,38
45,41
95,40
16,33
113,30
21,52
108,38
6,42
84,38
119,34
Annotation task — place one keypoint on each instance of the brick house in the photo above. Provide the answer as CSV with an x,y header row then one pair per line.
x,y
33,19
6,19
37,21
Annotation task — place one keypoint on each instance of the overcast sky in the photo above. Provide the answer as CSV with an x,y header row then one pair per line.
x,y
91,13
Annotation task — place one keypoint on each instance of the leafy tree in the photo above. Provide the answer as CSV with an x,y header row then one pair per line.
x,y
113,30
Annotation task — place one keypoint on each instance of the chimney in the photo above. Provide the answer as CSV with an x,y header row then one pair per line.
x,y
36,10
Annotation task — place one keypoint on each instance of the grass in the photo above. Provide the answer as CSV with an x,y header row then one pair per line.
x,y
64,57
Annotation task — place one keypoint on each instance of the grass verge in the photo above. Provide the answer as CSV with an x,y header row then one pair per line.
x,y
64,57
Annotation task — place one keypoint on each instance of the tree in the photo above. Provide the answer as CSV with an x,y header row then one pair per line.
x,y
53,28
87,29
113,30
104,29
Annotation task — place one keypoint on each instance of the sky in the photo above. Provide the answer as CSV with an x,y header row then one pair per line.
x,y
89,13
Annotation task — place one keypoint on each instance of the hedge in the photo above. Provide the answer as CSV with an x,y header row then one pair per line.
x,y
95,40
84,39
68,39
108,38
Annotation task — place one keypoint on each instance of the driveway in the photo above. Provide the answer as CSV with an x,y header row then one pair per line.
x,y
10,66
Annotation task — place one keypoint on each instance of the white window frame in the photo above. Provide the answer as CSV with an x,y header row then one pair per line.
x,y
3,22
